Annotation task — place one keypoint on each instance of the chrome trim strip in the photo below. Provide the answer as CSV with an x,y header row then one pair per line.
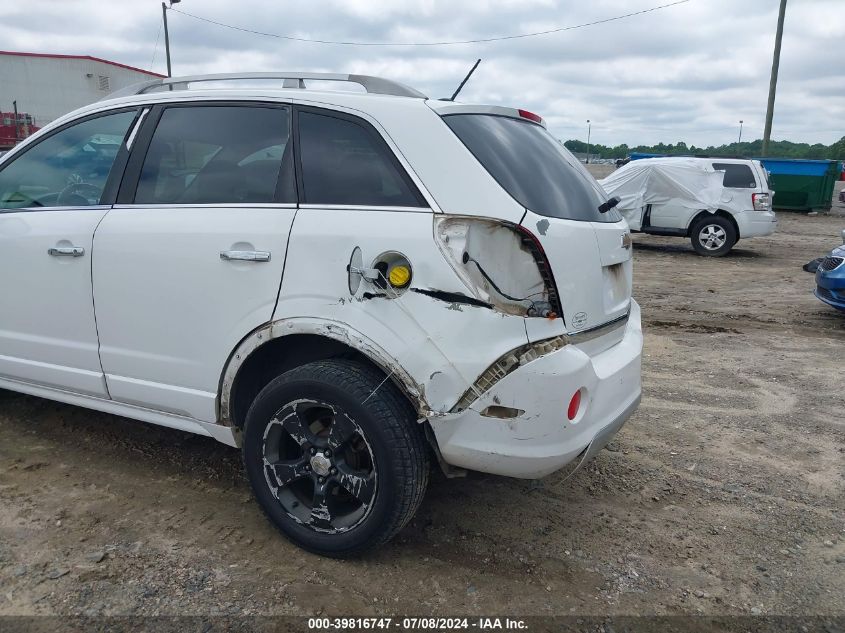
x,y
361,207
216,205
599,330
93,207
137,127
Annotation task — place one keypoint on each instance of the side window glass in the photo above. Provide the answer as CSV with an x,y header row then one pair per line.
x,y
218,154
344,163
67,169
737,176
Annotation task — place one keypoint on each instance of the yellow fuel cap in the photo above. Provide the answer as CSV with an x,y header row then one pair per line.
x,y
399,276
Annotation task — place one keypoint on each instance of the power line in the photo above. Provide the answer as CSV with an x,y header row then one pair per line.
x,y
155,48
450,43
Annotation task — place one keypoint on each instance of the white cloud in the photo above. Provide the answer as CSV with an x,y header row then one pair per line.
x,y
688,72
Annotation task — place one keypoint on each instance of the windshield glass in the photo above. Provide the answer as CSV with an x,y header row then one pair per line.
x,y
532,166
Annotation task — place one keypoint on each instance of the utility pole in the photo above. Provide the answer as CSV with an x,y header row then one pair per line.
x,y
773,83
589,127
740,132
17,125
166,37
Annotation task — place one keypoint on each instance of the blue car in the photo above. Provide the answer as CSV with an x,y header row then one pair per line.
x,y
830,278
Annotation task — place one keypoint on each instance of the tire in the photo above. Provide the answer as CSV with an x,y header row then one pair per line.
x,y
335,457
713,236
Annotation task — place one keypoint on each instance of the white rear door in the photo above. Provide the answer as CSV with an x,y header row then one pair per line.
x,y
190,259
739,183
52,196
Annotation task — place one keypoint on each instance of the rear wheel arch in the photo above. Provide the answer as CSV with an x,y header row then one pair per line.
x,y
720,212
279,347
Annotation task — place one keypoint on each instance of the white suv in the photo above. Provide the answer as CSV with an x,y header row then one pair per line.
x,y
344,285
713,201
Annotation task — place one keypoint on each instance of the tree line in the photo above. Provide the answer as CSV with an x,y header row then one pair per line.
x,y
751,149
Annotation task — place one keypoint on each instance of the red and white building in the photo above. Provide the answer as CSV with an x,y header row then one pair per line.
x,y
46,86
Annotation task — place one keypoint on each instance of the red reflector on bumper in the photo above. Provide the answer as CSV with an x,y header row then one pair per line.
x,y
574,405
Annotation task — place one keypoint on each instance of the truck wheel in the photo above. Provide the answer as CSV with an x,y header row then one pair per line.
x,y
713,236
335,457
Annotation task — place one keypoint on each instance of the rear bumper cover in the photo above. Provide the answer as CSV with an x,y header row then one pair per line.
x,y
756,223
542,440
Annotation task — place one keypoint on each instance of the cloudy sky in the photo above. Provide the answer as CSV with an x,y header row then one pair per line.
x,y
688,72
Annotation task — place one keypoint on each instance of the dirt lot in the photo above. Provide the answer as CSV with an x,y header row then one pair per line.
x,y
723,495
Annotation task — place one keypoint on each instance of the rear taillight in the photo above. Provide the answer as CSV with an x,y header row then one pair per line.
x,y
760,201
530,240
502,264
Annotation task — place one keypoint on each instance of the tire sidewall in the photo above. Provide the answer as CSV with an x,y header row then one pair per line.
x,y
721,222
274,397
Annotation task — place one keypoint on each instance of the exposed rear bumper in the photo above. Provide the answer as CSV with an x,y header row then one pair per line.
x,y
542,440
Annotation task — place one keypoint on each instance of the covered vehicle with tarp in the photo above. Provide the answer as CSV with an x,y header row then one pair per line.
x,y
715,202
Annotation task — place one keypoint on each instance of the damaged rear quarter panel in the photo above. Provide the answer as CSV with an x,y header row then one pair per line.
x,y
443,345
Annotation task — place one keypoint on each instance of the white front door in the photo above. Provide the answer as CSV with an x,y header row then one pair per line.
x,y
51,200
670,215
190,260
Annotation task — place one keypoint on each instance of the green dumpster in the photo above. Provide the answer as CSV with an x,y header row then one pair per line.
x,y
801,185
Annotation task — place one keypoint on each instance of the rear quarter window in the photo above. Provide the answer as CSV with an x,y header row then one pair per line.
x,y
737,176
344,162
531,166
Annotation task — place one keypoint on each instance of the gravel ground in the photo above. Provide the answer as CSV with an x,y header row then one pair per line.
x,y
722,496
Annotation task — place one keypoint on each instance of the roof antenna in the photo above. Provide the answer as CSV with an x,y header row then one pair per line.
x,y
466,79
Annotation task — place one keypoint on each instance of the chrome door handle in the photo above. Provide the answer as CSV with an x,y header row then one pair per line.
x,y
66,251
245,256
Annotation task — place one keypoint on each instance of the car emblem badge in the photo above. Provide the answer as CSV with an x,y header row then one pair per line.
x,y
579,320
321,464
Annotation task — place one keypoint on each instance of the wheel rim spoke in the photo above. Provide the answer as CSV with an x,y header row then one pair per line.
x,y
287,471
295,426
341,431
359,484
321,516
